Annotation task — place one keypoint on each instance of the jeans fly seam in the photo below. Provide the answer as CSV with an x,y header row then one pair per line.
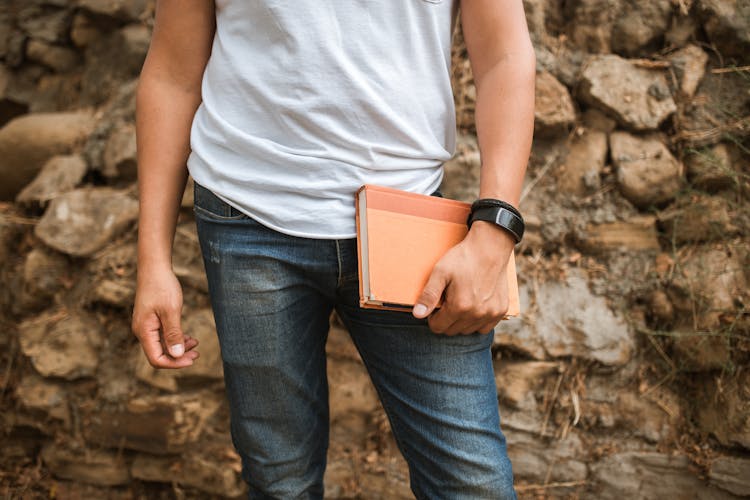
x,y
340,264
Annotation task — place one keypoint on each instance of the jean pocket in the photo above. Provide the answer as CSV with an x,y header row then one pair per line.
x,y
207,204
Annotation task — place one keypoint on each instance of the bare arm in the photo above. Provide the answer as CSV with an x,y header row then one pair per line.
x,y
472,274
168,96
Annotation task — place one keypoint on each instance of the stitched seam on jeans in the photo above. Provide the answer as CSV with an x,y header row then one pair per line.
x,y
386,405
339,280
210,215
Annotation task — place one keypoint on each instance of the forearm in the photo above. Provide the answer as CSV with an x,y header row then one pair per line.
x,y
164,114
504,120
169,92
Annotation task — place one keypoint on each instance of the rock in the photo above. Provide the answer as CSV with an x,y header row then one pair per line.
x,y
564,63
722,408
540,460
461,173
731,474
689,65
27,142
661,308
707,285
120,154
56,91
637,233
165,380
516,381
654,420
590,23
641,27
93,466
154,424
554,112
187,196
638,98
114,384
682,30
43,23
350,388
714,168
5,30
83,221
727,24
187,260
83,31
698,352
718,112
535,18
113,276
384,483
215,471
62,344
568,320
649,475
10,231
699,218
59,175
60,59
14,49
124,10
587,154
647,173
200,325
44,274
532,236
598,121
115,58
116,293
9,105
46,396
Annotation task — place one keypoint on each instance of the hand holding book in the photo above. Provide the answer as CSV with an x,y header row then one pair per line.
x,y
472,280
417,255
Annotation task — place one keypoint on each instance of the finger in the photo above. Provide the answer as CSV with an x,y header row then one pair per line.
x,y
190,342
442,321
157,357
479,326
172,332
487,327
461,328
431,294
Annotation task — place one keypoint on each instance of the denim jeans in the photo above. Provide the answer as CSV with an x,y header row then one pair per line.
x,y
272,295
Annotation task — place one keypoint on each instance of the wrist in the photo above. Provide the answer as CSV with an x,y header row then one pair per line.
x,y
500,213
491,237
146,268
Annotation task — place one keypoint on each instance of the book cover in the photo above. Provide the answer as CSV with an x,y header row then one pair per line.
x,y
400,237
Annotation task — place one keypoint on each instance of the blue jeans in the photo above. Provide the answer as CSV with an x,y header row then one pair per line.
x,y
272,295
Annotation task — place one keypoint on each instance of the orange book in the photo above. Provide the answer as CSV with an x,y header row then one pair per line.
x,y
400,238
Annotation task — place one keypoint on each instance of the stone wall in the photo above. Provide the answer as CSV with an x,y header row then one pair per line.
x,y
626,375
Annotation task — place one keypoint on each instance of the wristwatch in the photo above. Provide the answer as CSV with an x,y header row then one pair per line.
x,y
499,216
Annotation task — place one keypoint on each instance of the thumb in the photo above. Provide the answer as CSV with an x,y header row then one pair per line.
x,y
172,333
431,294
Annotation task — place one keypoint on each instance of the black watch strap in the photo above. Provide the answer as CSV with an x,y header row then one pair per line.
x,y
499,216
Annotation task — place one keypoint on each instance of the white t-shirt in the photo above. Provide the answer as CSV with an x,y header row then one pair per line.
x,y
306,100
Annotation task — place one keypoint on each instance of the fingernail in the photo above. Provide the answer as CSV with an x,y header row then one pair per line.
x,y
177,350
420,310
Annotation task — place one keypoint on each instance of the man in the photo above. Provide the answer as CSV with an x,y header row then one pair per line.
x,y
280,110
